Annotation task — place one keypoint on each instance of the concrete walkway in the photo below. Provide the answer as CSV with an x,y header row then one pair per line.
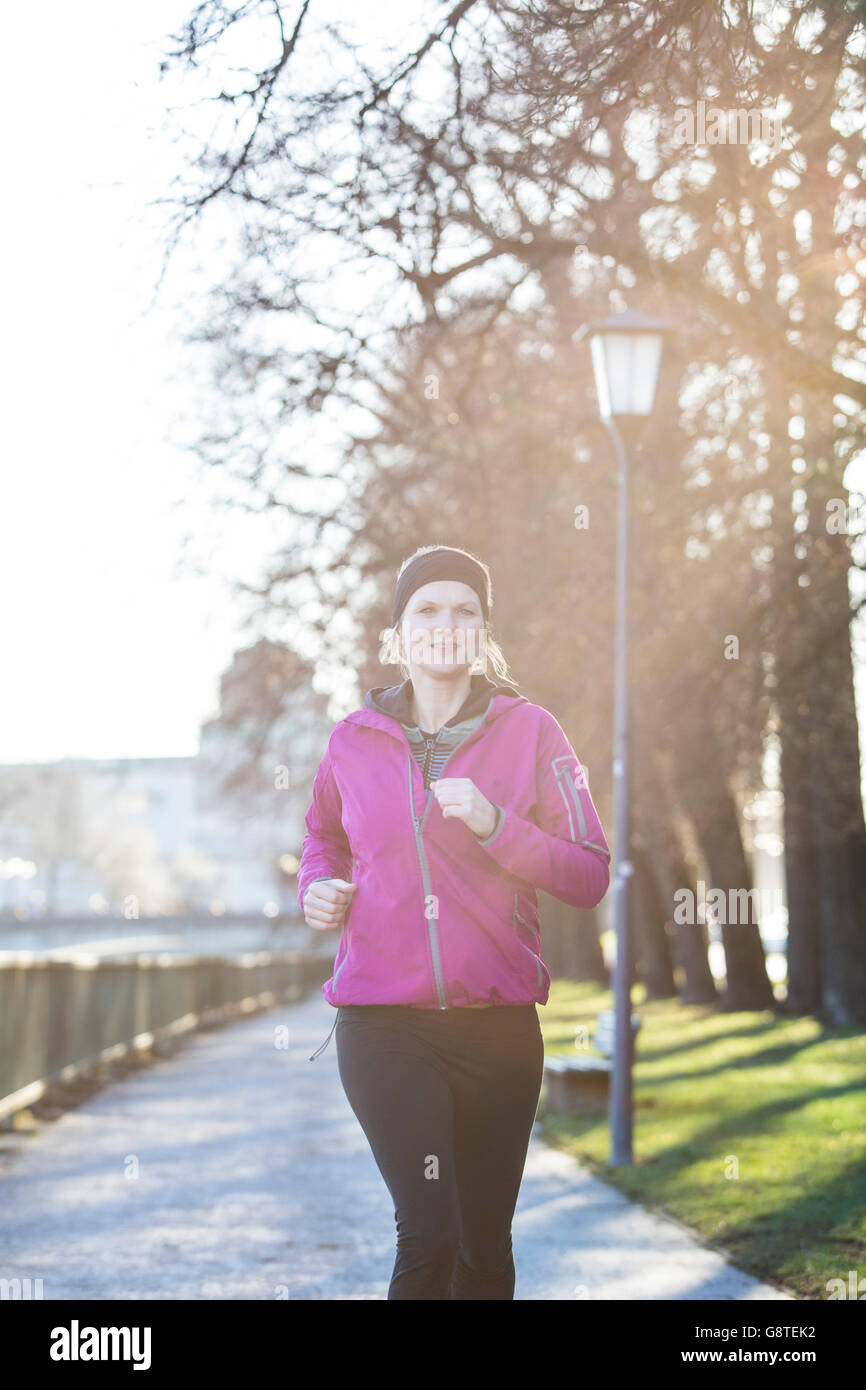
x,y
237,1170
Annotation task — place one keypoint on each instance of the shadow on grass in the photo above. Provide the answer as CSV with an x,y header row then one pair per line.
x,y
691,1045
754,1121
769,1241
768,1057
768,1247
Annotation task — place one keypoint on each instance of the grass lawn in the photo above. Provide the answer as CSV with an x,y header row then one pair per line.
x,y
780,1103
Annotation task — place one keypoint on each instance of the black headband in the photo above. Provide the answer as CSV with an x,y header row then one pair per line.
x,y
441,563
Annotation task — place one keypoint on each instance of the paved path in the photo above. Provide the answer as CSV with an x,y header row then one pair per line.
x,y
236,1170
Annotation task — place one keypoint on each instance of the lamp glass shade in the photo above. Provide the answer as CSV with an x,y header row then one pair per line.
x,y
626,368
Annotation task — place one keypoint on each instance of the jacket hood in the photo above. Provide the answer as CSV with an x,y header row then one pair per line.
x,y
396,700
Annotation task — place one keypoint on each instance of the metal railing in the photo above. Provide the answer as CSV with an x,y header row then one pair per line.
x,y
61,1018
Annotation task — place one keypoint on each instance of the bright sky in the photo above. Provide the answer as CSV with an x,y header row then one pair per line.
x,y
110,649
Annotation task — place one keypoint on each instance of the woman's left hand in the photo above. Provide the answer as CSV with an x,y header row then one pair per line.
x,y
459,796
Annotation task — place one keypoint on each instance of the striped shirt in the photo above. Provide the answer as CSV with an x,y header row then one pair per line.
x,y
432,751
430,756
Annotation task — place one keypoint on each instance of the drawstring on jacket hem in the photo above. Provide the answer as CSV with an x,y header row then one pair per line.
x,y
327,1040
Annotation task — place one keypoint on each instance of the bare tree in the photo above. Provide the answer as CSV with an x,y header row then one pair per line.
x,y
515,168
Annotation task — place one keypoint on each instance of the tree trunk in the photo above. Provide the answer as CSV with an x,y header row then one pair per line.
x,y
838,830
660,841
652,956
690,939
747,982
804,944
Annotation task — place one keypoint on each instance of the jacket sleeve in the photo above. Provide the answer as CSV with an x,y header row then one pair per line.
x,y
566,853
326,852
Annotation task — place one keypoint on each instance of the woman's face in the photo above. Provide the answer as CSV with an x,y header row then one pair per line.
x,y
443,627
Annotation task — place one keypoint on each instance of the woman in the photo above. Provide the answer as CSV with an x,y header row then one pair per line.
x,y
438,809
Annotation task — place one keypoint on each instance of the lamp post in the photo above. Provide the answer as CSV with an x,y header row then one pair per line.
x,y
626,351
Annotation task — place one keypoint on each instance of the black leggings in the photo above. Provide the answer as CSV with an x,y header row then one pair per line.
x,y
447,1100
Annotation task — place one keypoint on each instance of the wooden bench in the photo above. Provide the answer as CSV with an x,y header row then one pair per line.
x,y
580,1080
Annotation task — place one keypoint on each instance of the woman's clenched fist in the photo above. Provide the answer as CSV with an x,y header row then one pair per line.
x,y
326,902
459,796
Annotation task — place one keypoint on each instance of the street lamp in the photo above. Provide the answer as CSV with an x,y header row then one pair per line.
x,y
626,351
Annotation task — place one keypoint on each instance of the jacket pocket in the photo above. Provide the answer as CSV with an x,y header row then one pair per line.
x,y
344,936
518,921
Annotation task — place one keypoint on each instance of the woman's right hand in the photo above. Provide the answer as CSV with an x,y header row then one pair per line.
x,y
326,902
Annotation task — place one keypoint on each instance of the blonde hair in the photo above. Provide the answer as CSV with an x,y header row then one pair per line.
x,y
392,651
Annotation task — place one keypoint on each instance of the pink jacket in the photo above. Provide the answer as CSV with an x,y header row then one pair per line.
x,y
441,918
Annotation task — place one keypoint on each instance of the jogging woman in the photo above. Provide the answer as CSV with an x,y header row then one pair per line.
x,y
438,809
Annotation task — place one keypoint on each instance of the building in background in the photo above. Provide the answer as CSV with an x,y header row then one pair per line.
x,y
217,833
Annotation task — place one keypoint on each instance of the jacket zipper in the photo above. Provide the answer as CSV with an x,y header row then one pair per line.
x,y
422,859
430,743
425,882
